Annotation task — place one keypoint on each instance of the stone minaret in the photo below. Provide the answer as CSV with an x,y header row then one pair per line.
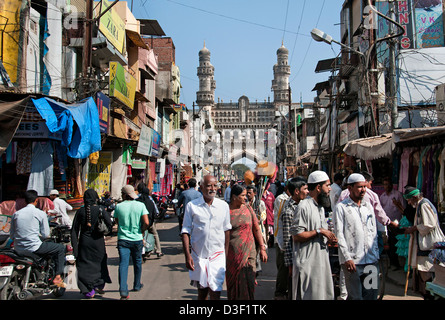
x,y
207,85
281,73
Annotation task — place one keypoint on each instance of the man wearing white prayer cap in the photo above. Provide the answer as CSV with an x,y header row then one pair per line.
x,y
311,274
356,177
355,225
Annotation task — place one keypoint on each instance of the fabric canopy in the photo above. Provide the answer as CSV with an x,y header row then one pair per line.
x,y
370,148
79,124
11,113
401,135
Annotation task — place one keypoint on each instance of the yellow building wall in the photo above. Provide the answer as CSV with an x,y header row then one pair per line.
x,y
10,15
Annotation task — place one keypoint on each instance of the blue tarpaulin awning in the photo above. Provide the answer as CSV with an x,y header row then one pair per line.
x,y
78,122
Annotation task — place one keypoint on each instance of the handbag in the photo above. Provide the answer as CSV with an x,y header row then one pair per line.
x,y
101,225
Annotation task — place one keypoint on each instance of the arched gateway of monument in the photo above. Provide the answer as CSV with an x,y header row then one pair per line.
x,y
228,146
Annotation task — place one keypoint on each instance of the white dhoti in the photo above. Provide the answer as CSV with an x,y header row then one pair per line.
x,y
209,272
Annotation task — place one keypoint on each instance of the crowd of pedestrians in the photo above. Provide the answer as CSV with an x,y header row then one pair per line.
x,y
227,230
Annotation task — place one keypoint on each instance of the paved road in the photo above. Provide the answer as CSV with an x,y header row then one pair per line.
x,y
166,278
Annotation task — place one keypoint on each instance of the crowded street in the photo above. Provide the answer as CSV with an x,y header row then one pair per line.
x,y
222,151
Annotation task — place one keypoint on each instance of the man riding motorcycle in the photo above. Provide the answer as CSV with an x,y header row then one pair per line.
x,y
28,226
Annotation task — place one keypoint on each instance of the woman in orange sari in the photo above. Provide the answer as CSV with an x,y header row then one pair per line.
x,y
241,256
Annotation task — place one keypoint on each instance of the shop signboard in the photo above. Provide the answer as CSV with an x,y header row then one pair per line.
x,y
138,163
33,130
429,24
156,143
173,154
405,18
122,84
103,105
180,107
145,142
99,174
112,27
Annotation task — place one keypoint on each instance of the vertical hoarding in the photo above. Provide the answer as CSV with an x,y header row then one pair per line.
x,y
103,105
156,144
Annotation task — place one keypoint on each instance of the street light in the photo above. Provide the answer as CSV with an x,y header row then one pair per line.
x,y
321,36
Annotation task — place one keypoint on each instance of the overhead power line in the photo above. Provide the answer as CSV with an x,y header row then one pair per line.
x,y
235,19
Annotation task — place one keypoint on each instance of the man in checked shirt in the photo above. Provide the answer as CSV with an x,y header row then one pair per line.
x,y
297,188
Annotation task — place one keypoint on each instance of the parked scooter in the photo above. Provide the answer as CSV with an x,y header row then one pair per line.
x,y
23,277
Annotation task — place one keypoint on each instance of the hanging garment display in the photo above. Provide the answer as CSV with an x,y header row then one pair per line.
x,y
404,168
41,177
24,157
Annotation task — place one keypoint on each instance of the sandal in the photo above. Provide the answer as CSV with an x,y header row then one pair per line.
x,y
90,294
99,290
59,283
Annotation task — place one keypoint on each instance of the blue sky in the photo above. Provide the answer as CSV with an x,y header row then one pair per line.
x,y
243,37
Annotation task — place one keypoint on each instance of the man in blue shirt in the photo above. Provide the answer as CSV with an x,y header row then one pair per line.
x,y
28,227
185,197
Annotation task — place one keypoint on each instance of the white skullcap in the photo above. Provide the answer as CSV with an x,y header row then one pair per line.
x,y
54,192
356,177
317,177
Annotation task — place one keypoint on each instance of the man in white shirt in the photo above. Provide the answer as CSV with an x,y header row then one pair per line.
x,y
355,226
336,190
205,238
60,208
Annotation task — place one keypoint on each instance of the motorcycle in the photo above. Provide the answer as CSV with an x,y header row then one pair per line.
x,y
163,203
24,277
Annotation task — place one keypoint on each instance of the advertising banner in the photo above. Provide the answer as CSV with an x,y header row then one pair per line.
x,y
99,175
122,84
112,27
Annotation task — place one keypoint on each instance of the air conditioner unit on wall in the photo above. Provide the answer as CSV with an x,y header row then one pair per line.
x,y
440,104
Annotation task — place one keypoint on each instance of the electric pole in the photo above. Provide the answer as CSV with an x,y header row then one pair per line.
x,y
88,36
392,73
85,81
